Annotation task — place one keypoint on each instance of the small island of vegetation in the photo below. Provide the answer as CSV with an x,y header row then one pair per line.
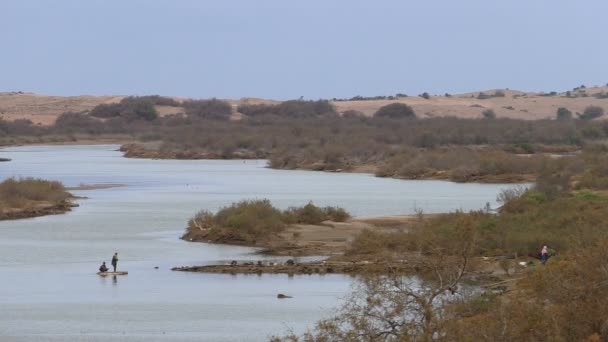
x,y
256,222
31,197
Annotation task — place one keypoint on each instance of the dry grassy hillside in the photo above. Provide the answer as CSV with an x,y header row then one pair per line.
x,y
43,109
515,104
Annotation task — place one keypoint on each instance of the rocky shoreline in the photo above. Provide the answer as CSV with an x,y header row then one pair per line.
x,y
307,268
330,240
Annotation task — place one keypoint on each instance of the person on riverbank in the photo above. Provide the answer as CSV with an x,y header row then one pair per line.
x,y
103,267
544,255
115,261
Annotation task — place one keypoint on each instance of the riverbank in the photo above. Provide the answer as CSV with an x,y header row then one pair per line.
x,y
331,242
306,268
326,239
153,150
37,209
32,197
360,246
68,139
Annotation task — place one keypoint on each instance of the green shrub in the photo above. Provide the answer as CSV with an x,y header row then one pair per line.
x,y
395,111
130,108
336,214
563,114
591,112
251,221
488,114
308,214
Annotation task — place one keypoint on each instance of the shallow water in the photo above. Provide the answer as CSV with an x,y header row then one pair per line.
x,y
49,290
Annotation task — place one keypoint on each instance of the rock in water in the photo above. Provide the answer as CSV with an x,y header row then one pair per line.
x,y
282,296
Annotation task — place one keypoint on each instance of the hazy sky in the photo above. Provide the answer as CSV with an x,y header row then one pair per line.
x,y
286,49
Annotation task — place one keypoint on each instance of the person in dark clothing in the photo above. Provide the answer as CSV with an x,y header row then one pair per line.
x,y
103,267
115,261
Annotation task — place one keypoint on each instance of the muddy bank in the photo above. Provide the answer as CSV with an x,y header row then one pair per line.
x,y
327,239
153,150
73,139
147,151
292,268
40,209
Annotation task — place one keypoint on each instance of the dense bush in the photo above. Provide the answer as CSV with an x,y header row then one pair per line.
x,y
311,214
497,93
19,193
130,108
158,100
208,109
106,110
563,114
290,109
252,221
395,111
591,112
19,127
488,114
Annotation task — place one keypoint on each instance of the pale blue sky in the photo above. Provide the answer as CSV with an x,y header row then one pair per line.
x,y
286,49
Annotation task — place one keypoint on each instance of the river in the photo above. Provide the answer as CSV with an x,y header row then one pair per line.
x,y
49,290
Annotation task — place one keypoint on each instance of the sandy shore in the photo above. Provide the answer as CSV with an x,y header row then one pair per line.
x,y
95,186
329,240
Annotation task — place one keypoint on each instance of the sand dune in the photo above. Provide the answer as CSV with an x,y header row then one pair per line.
x,y
44,109
515,104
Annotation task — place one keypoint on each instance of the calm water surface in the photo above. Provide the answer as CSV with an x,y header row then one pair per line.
x,y
49,290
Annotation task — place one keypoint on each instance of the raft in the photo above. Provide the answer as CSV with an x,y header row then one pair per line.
x,y
112,273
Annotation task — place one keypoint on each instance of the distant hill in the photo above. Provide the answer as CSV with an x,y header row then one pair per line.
x,y
44,109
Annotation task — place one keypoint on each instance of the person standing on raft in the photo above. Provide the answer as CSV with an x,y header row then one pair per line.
x,y
115,261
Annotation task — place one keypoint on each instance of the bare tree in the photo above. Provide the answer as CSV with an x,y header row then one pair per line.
x,y
401,307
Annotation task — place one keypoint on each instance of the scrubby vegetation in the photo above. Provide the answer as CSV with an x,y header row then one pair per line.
x,y
564,300
591,112
130,108
461,165
298,109
252,221
208,109
311,135
30,197
563,114
488,114
372,98
497,93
